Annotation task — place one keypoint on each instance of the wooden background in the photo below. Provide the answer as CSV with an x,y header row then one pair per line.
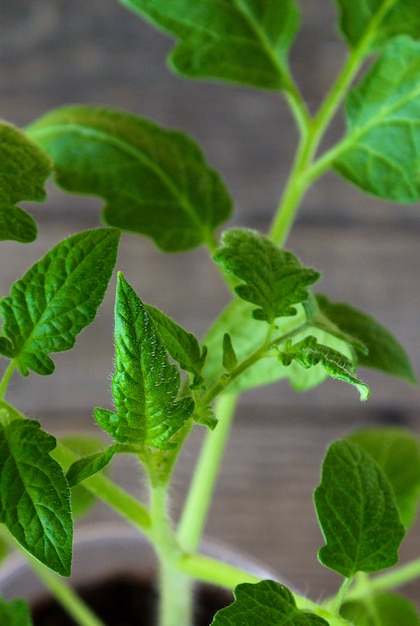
x,y
54,52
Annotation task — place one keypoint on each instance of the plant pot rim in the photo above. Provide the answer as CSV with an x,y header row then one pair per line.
x,y
90,561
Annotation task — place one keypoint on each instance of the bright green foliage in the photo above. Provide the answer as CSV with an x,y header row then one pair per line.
x,y
397,452
145,384
378,20
90,465
274,279
309,352
181,345
381,610
57,298
357,512
241,41
247,336
264,603
24,168
34,495
384,352
14,613
381,152
155,181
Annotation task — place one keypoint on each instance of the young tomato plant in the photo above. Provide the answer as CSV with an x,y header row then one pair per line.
x,y
157,183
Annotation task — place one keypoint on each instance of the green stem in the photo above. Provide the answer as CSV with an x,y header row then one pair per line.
x,y
342,593
345,78
297,106
175,606
313,130
205,475
227,379
6,378
293,194
72,603
385,582
214,572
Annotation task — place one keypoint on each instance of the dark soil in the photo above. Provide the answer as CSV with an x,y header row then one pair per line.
x,y
127,601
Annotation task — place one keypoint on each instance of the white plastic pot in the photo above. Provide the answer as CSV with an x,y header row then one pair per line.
x,y
104,550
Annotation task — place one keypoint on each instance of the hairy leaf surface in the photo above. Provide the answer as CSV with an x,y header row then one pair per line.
x,y
181,345
266,602
397,452
155,181
24,168
241,41
89,465
384,609
14,613
34,495
82,500
145,384
57,298
384,352
381,20
381,151
357,512
274,279
309,352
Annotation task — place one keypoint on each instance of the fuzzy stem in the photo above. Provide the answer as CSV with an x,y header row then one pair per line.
x,y
175,606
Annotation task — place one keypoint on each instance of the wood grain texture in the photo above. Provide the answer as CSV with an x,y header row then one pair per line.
x,y
55,52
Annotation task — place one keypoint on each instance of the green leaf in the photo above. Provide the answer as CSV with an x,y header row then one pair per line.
x,y
24,168
34,495
266,602
381,151
89,465
181,345
274,279
380,20
386,610
241,41
16,224
154,181
145,384
14,613
229,358
309,352
357,512
81,499
397,452
384,352
57,298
